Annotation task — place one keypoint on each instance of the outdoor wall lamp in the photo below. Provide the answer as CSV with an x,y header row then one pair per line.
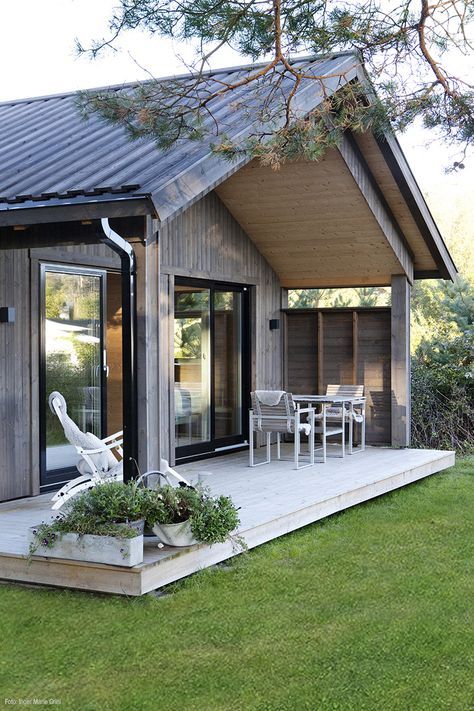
x,y
7,314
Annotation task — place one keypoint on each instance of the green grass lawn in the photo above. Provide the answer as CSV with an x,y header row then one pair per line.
x,y
369,609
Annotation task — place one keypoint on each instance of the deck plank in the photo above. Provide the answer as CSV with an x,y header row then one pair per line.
x,y
274,499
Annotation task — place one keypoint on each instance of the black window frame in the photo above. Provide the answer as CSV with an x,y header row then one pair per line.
x,y
217,446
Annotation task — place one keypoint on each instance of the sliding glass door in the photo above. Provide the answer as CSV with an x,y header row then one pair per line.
x,y
72,362
228,351
192,365
210,365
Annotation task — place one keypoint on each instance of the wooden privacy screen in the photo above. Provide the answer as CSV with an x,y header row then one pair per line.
x,y
342,346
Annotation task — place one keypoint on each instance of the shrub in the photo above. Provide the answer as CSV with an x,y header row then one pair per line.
x,y
443,394
111,502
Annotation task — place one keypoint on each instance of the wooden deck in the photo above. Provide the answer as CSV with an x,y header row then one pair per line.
x,y
274,499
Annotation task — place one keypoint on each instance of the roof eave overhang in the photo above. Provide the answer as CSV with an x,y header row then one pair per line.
x,y
410,190
398,165
76,208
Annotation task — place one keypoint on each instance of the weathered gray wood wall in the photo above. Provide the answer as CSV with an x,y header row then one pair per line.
x,y
206,242
401,366
346,346
15,377
19,359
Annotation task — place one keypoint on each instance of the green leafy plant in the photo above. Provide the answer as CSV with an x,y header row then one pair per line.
x,y
111,502
443,394
212,518
98,512
403,46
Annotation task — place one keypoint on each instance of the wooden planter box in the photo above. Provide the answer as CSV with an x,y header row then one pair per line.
x,y
125,552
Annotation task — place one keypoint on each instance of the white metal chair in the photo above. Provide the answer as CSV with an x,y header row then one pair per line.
x,y
97,463
274,411
355,413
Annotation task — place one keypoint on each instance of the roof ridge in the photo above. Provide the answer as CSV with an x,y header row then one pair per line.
x,y
207,72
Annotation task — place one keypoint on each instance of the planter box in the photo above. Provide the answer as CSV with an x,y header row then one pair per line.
x,y
125,552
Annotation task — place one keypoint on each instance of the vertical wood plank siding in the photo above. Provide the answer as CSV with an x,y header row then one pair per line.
x,y
19,359
206,242
302,353
373,370
15,396
347,347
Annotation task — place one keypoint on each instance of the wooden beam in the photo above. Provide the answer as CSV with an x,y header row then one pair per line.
x,y
400,370
396,161
320,352
73,211
377,204
355,347
148,273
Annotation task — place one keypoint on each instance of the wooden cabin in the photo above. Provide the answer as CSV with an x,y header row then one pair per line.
x,y
151,288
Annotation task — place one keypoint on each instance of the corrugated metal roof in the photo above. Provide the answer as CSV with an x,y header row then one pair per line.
x,y
47,151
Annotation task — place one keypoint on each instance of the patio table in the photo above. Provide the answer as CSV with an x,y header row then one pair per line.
x,y
343,400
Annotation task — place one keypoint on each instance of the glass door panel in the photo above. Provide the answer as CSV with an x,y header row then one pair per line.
x,y
228,363
192,365
211,363
72,327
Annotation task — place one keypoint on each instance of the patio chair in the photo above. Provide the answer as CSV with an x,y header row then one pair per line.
x,y
97,463
274,411
356,414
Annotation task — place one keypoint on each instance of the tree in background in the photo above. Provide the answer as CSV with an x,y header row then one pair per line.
x,y
404,46
367,297
443,366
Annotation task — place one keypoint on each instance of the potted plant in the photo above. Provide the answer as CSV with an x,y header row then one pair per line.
x,y
114,502
102,525
186,515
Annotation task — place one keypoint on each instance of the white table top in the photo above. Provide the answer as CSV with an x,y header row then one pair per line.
x,y
328,398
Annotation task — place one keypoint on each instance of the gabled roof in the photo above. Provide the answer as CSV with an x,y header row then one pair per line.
x,y
52,160
49,153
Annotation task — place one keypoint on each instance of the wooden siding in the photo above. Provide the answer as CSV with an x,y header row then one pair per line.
x,y
19,359
400,365
347,346
206,242
373,370
15,374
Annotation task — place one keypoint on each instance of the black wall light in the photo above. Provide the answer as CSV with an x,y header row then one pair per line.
x,y
7,314
274,324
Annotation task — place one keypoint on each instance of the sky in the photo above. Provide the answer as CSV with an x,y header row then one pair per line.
x,y
38,57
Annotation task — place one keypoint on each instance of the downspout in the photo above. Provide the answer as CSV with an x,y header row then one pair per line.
x,y
129,335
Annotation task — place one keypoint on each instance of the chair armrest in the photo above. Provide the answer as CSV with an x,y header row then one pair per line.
x,y
116,435
305,409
